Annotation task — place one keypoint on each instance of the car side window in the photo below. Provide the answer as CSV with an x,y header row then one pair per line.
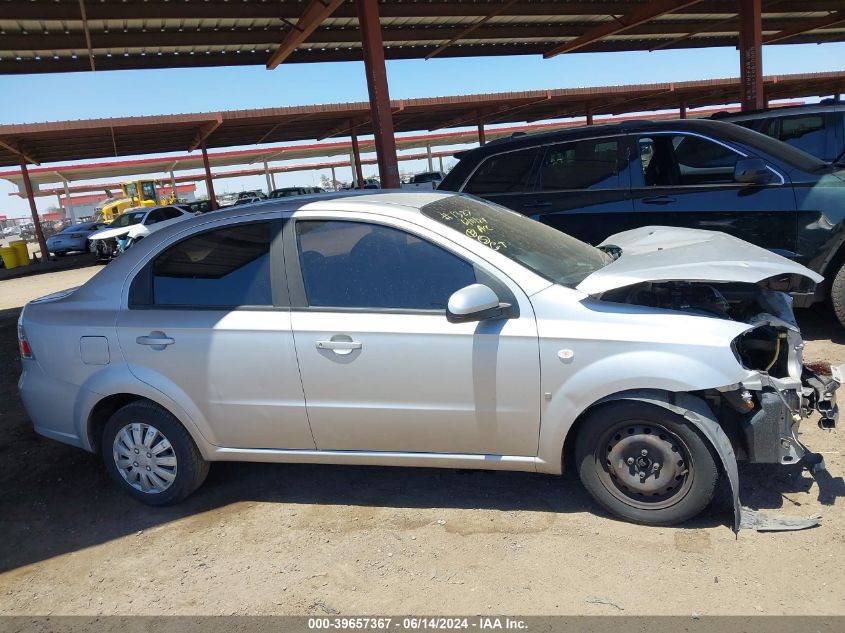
x,y
504,173
681,160
804,131
588,164
224,267
359,265
171,213
154,216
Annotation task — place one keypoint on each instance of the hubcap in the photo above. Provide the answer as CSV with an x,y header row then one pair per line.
x,y
644,465
144,458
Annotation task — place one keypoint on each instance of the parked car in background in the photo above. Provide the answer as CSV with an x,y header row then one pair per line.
x,y
132,226
287,192
594,181
426,180
73,238
816,128
197,206
248,200
251,195
428,329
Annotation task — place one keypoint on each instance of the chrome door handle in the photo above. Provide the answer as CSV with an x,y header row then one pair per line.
x,y
343,346
155,339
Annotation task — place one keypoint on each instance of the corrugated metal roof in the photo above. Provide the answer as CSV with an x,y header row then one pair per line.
x,y
129,136
49,35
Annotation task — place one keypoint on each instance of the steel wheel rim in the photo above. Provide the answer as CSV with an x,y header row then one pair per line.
x,y
657,453
144,458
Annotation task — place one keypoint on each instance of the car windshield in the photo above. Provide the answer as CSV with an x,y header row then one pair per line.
x,y
551,254
128,219
75,227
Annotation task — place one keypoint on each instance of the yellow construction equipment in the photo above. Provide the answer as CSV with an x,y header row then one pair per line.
x,y
138,193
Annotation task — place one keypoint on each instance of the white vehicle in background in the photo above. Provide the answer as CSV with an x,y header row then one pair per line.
x,y
425,180
132,226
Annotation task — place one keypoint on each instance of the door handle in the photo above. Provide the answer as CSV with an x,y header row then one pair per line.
x,y
156,340
658,200
340,347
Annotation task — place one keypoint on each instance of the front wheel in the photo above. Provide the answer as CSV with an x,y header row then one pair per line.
x,y
837,294
645,464
150,454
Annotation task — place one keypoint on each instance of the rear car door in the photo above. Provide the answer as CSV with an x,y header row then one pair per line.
x,y
382,368
687,180
583,188
207,323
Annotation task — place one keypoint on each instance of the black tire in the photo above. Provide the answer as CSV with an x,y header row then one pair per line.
x,y
837,294
681,474
60,254
188,471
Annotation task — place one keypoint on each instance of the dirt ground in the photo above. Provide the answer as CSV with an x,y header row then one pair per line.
x,y
298,539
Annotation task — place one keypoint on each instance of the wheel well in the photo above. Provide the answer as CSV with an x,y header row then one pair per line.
x,y
101,413
832,267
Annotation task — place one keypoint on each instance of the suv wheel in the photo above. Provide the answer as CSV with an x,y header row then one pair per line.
x,y
837,294
645,464
151,455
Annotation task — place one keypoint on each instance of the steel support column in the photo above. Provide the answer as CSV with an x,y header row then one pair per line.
x,y
209,184
172,185
357,171
428,155
39,234
751,54
482,138
682,109
267,177
70,208
334,180
440,158
589,114
373,47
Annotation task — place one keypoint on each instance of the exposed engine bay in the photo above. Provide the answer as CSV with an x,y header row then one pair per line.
x,y
762,415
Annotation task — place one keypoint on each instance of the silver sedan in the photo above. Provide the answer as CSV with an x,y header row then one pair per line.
x,y
428,329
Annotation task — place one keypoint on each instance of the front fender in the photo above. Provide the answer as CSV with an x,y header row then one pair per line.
x,y
657,370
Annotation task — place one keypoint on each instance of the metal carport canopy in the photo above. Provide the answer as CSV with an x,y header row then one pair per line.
x,y
78,35
135,136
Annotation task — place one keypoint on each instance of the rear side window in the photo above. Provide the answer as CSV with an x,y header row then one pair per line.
x,y
504,173
805,131
226,267
589,164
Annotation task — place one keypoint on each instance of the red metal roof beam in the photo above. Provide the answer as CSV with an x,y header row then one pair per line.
x,y
15,148
314,15
641,15
802,27
205,131
472,28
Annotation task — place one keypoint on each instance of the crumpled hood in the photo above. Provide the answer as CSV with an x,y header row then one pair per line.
x,y
110,233
664,253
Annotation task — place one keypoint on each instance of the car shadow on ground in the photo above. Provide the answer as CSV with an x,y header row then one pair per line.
x,y
55,499
819,323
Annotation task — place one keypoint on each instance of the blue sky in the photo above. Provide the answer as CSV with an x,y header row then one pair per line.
x,y
32,98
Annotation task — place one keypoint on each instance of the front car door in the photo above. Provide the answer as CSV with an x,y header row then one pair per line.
x,y
382,368
207,324
687,180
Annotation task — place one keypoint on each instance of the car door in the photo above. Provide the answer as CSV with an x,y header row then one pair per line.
x,y
687,180
583,188
207,324
382,367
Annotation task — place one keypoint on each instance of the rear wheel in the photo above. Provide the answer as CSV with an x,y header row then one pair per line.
x,y
645,464
837,294
151,455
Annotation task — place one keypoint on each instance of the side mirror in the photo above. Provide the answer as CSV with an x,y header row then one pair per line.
x,y
475,302
752,171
